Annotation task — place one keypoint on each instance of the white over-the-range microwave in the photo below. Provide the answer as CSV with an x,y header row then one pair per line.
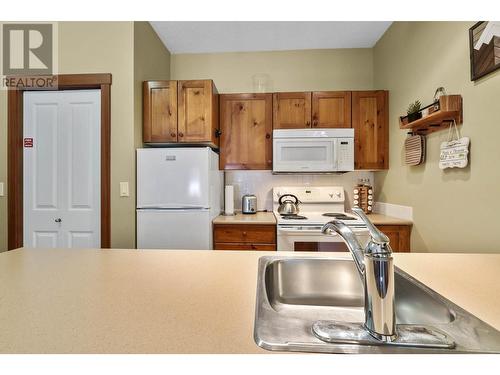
x,y
313,150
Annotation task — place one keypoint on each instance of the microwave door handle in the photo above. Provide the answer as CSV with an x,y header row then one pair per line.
x,y
335,153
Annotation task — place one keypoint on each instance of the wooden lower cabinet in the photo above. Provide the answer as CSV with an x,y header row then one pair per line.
x,y
245,237
399,236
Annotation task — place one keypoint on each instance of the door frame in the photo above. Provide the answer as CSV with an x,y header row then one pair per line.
x,y
15,150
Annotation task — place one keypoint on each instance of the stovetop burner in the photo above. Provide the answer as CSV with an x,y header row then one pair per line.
x,y
339,215
293,217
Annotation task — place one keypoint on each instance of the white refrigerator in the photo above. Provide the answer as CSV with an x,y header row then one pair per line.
x,y
179,193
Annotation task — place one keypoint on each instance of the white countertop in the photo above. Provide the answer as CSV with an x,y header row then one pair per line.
x,y
239,218
167,301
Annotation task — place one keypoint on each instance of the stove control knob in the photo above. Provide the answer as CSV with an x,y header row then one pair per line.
x,y
331,195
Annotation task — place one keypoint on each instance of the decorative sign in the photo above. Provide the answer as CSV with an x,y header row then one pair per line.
x,y
28,142
454,154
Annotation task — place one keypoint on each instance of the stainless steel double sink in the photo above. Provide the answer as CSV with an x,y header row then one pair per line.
x,y
294,292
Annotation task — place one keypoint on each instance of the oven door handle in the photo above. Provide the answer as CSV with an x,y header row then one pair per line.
x,y
301,231
358,230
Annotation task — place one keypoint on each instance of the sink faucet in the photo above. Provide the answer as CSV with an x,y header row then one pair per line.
x,y
376,268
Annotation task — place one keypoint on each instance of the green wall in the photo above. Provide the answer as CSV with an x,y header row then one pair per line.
x,y
454,210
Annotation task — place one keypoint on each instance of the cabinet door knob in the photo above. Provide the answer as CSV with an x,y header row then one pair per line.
x,y
58,220
172,135
244,233
268,135
181,134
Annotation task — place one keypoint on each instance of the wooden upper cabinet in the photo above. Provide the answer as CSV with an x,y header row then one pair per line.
x,y
331,109
370,120
246,131
291,110
180,111
160,111
197,112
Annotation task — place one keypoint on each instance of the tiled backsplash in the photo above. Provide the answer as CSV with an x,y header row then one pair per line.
x,y
261,184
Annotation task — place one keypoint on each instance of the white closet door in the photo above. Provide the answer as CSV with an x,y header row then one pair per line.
x,y
62,168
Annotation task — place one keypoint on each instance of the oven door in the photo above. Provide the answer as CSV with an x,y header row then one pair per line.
x,y
304,155
310,238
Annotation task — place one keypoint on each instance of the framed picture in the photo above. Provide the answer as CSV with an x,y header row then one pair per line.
x,y
484,41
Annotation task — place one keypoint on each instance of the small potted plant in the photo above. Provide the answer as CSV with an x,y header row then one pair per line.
x,y
414,111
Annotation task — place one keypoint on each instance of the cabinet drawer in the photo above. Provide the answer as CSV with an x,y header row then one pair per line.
x,y
245,246
242,233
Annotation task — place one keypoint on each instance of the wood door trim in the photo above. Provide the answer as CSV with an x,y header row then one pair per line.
x,y
14,169
15,210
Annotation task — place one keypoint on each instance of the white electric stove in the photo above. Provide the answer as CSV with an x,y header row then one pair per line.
x,y
318,205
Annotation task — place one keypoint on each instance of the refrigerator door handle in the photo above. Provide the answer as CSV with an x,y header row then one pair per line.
x,y
172,207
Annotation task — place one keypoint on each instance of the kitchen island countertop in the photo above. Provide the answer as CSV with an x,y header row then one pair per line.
x,y
167,301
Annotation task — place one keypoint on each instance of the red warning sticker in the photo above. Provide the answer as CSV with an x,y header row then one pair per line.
x,y
28,142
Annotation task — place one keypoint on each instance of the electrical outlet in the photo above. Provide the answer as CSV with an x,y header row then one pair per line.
x,y
1,189
124,192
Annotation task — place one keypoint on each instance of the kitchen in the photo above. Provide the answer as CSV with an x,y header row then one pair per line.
x,y
251,153
294,134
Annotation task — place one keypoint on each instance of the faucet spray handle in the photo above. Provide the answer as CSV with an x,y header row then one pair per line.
x,y
377,236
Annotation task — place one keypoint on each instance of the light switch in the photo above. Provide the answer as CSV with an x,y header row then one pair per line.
x,y
1,189
124,189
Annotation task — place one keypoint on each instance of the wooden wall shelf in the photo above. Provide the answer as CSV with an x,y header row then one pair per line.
x,y
450,108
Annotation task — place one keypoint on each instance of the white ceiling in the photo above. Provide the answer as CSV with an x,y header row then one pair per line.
x,y
208,37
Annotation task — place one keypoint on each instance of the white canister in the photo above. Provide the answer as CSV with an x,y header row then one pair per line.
x,y
229,200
